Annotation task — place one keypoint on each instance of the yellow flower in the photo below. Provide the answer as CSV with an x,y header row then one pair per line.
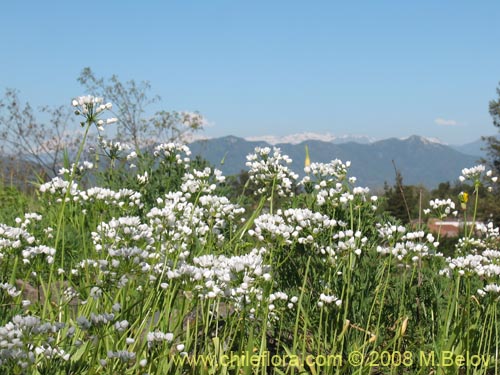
x,y
464,198
307,162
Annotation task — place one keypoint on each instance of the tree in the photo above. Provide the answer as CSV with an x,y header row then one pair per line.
x,y
493,142
493,152
130,102
42,145
404,202
38,144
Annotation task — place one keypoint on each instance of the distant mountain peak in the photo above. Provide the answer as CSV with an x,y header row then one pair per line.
x,y
425,140
298,138
232,138
421,160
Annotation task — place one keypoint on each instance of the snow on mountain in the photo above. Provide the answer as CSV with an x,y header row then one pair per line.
x,y
420,160
308,136
425,140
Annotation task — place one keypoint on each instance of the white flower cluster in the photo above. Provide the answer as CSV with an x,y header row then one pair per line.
x,y
442,208
272,226
281,296
13,238
95,320
52,352
174,221
328,299
20,337
80,168
488,237
91,108
121,198
469,264
411,246
475,174
328,183
143,179
469,245
124,232
269,172
292,225
178,222
113,149
349,241
483,261
88,102
173,152
157,337
489,174
390,232
30,252
218,212
59,187
486,266
334,171
175,225
490,288
18,240
10,289
200,182
236,278
279,302
122,355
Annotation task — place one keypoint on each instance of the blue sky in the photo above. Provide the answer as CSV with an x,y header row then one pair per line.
x,y
376,68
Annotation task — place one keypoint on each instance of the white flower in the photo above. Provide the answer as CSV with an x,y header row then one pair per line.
x,y
473,173
91,107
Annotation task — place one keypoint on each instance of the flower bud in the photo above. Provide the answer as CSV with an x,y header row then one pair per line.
x,y
464,198
404,326
307,162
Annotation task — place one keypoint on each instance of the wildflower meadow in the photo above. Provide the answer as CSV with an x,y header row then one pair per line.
x,y
143,261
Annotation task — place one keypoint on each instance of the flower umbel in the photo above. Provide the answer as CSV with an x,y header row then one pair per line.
x,y
90,107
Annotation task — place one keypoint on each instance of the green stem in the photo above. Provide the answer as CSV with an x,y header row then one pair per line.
x,y
61,215
68,191
476,191
272,197
300,308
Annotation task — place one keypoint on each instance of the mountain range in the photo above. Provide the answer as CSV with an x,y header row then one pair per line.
x,y
421,161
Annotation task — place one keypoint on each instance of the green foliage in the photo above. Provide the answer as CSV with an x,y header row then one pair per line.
x,y
404,202
493,143
386,303
136,261
13,203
